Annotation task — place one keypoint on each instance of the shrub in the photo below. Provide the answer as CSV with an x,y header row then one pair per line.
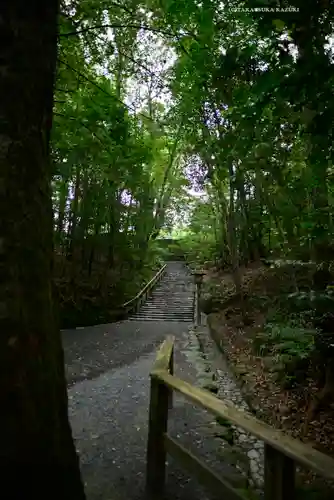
x,y
289,348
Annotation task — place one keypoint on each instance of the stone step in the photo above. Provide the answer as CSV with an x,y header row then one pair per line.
x,y
171,292
165,310
166,318
168,303
171,300
171,305
175,307
163,315
168,294
165,307
166,313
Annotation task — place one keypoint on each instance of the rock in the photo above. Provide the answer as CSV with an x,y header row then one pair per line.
x,y
253,454
242,438
254,466
258,479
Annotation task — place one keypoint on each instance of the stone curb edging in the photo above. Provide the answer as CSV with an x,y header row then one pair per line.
x,y
221,345
249,446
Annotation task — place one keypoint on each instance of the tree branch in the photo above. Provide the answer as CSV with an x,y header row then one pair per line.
x,y
117,25
73,118
110,95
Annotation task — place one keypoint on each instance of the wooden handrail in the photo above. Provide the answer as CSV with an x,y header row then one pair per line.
x,y
300,452
281,452
132,302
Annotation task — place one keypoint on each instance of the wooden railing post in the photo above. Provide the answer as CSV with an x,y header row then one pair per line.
x,y
198,307
279,475
171,371
198,284
157,427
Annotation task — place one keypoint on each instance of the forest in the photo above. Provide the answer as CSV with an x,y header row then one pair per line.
x,y
210,123
153,103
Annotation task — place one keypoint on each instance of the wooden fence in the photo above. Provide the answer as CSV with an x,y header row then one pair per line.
x,y
281,452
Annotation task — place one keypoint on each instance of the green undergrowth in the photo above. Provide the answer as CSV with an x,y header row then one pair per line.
x,y
295,301
86,299
286,349
98,298
298,336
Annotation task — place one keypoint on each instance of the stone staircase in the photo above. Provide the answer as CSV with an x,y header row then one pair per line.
x,y
172,299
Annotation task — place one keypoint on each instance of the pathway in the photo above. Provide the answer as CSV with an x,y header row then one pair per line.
x,y
108,375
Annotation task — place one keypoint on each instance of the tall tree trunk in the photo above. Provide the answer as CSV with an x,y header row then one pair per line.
x,y
81,240
232,240
111,237
92,249
37,453
74,215
244,247
63,194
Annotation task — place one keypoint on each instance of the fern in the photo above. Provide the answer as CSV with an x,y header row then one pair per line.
x,y
287,346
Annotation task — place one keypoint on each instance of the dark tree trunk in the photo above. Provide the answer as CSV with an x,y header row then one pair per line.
x,y
92,249
61,213
74,217
37,453
84,219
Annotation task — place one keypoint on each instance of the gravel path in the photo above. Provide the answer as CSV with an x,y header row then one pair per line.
x,y
107,368
108,371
